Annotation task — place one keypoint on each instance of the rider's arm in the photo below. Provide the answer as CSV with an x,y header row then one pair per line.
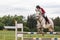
x,y
43,11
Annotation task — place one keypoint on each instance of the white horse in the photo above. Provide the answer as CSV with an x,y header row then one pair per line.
x,y
41,25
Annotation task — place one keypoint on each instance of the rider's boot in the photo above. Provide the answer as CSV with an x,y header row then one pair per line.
x,y
47,20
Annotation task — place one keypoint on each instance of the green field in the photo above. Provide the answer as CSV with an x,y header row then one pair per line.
x,y
10,35
40,36
7,35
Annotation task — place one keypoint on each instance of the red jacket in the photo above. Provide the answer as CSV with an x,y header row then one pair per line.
x,y
43,11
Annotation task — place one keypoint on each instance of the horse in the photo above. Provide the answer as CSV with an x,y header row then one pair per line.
x,y
41,25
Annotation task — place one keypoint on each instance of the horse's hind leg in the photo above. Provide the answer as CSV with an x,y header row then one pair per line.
x,y
51,29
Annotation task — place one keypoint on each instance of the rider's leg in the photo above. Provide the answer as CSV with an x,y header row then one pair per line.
x,y
43,15
47,19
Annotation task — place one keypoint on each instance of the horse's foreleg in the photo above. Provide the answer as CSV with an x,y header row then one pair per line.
x,y
38,30
38,27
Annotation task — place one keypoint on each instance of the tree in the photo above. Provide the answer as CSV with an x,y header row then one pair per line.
x,y
19,18
57,21
31,23
57,24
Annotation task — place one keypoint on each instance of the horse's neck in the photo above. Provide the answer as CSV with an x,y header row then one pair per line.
x,y
41,17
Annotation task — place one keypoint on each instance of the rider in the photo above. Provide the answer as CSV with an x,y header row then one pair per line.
x,y
38,8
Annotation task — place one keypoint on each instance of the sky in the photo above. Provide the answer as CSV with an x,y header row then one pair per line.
x,y
27,7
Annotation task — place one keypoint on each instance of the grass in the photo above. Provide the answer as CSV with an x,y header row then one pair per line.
x,y
40,36
10,35
7,35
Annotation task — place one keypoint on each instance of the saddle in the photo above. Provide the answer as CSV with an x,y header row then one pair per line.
x,y
46,19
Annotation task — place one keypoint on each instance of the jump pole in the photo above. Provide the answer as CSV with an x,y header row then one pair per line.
x,y
20,25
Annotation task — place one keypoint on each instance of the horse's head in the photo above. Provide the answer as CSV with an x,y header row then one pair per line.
x,y
38,15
